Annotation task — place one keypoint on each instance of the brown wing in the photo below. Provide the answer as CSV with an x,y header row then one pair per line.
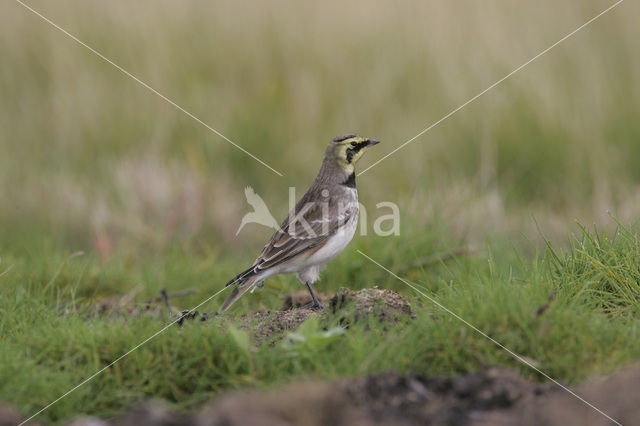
x,y
306,228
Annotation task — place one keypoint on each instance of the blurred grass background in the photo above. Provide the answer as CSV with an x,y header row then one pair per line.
x,y
90,157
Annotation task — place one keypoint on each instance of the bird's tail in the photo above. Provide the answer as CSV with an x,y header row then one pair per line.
x,y
243,281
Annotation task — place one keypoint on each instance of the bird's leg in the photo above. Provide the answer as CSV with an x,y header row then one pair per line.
x,y
316,302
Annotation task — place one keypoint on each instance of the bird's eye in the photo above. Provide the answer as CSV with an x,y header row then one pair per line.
x,y
357,145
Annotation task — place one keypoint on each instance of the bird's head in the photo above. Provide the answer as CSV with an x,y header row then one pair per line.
x,y
348,149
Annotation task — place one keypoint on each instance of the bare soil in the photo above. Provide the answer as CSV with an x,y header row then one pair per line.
x,y
491,397
8,416
382,305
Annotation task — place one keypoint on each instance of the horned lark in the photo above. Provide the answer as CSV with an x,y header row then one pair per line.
x,y
317,229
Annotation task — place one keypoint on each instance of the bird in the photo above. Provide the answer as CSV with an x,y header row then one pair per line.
x,y
260,213
317,229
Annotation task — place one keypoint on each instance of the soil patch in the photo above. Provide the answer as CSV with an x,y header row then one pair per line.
x,y
8,416
388,398
271,324
385,305
492,397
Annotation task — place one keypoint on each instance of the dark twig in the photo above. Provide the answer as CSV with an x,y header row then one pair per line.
x,y
542,309
187,315
165,297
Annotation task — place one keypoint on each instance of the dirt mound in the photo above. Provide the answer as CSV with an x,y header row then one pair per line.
x,y
616,395
386,305
492,397
400,399
296,308
8,416
389,398
270,324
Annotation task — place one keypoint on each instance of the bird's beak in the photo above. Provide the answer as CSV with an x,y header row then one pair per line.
x,y
372,142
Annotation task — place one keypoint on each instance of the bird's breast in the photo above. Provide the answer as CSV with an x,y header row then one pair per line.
x,y
336,242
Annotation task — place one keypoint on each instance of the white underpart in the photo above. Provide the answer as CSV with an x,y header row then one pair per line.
x,y
309,272
308,268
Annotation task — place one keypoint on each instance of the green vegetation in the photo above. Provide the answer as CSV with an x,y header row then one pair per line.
x,y
108,194
54,336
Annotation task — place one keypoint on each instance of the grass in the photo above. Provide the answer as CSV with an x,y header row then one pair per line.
x,y
600,268
51,341
107,193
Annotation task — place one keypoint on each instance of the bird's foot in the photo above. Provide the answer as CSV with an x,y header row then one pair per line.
x,y
316,305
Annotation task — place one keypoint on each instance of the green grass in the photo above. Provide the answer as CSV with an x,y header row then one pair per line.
x,y
601,269
51,342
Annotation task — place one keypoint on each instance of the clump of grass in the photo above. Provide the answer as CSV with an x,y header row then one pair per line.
x,y
602,268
